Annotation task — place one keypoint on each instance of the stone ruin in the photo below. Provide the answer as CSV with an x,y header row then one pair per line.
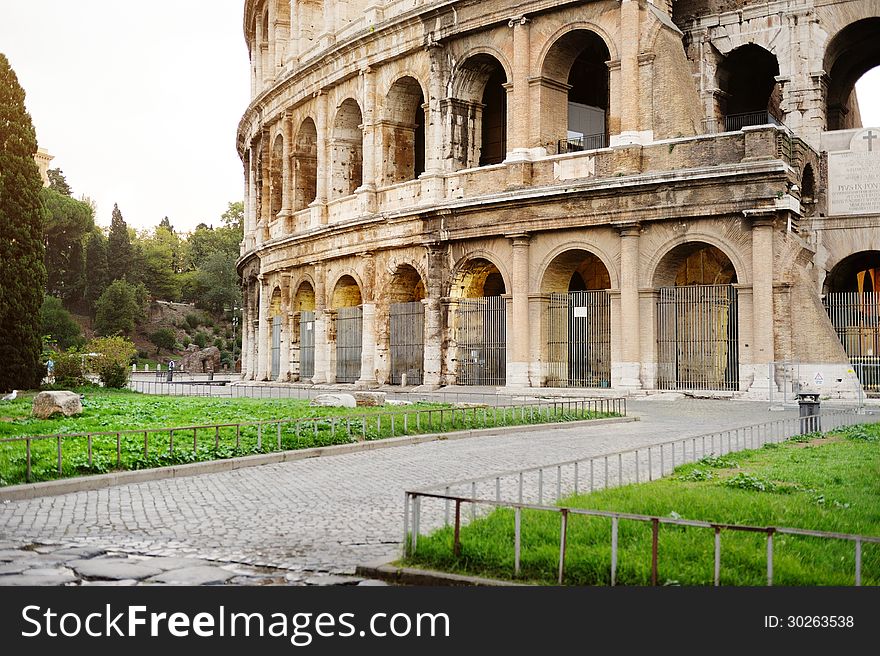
x,y
200,361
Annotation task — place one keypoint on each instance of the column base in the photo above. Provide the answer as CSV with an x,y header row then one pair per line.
x,y
366,383
632,138
517,374
761,387
626,375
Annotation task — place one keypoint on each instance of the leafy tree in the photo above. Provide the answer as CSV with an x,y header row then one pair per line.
x,y
164,338
68,221
68,370
22,271
113,361
156,260
119,249
218,282
57,182
97,274
119,308
58,324
233,217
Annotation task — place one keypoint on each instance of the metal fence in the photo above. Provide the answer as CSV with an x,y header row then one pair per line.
x,y
113,447
697,338
407,342
534,488
306,344
349,342
276,346
579,340
481,336
578,144
856,319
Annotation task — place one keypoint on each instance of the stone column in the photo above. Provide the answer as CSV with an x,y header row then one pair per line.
x,y
263,352
519,107
367,190
319,205
265,189
250,219
368,348
762,303
629,75
328,37
433,184
518,329
321,356
258,54
273,23
286,172
433,336
628,370
243,354
293,39
539,314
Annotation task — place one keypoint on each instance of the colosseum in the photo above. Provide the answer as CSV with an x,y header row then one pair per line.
x,y
611,194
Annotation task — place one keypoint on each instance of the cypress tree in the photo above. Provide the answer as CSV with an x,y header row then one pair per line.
x,y
22,273
97,276
119,250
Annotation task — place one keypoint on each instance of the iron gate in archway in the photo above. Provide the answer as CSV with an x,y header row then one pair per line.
x,y
306,344
407,341
579,339
481,335
697,338
349,342
276,347
856,319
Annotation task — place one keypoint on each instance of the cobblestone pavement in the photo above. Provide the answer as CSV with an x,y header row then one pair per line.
x,y
310,518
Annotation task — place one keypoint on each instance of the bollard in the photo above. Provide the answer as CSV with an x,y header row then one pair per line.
x,y
808,411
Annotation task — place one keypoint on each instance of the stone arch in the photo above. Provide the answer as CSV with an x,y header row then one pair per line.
x,y
576,246
858,272
305,157
347,148
694,263
575,76
850,53
477,276
750,94
659,268
575,269
479,109
403,131
406,285
346,292
304,296
275,302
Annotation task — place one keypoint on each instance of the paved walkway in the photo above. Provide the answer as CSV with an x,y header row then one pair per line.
x,y
319,516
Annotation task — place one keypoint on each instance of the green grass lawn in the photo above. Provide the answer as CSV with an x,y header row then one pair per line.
x,y
108,410
831,484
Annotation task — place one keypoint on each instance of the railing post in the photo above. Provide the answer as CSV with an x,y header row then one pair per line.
x,y
118,451
858,562
655,538
614,522
27,473
717,556
59,454
405,524
562,537
517,539
770,532
456,539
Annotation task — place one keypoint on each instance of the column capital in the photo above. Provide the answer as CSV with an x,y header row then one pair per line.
x,y
629,229
519,239
518,21
763,217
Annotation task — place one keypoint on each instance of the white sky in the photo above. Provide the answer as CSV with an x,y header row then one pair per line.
x,y
139,102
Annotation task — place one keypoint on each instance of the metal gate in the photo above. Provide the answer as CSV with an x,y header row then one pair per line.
x,y
276,347
407,340
579,340
349,339
306,345
697,338
481,334
855,317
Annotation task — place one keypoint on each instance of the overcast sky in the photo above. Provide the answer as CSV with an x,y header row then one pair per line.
x,y
139,101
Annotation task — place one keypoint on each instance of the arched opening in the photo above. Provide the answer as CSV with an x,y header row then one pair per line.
x,y
277,319
852,300
579,321
403,132
406,326
348,329
276,177
347,147
578,60
478,111
697,312
480,324
305,165
851,53
750,94
303,347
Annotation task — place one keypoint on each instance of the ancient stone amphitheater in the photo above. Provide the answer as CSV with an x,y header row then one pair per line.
x,y
619,194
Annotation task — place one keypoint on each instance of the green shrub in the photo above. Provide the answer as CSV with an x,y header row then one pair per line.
x,y
193,320
220,344
200,339
68,369
164,338
113,360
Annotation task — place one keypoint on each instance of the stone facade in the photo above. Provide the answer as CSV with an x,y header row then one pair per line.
x,y
440,152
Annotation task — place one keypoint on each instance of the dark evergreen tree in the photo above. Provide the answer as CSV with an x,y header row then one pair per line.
x,y
97,275
67,222
119,250
57,182
22,273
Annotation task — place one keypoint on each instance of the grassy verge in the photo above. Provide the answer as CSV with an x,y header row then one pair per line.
x,y
828,484
105,410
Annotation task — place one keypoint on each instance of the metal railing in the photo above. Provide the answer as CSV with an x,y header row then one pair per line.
x,y
578,144
525,489
735,122
282,434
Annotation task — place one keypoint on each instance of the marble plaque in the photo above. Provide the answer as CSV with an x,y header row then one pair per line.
x,y
854,175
